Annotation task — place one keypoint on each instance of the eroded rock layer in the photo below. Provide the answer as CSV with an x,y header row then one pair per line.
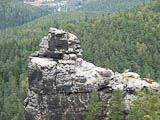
x,y
60,81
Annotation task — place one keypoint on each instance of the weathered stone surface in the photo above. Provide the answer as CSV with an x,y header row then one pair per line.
x,y
60,81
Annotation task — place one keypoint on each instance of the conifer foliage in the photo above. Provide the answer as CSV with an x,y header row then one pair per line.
x,y
119,41
94,108
147,107
116,106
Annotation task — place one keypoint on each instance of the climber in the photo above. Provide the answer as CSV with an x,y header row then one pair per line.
x,y
79,62
68,35
74,72
101,73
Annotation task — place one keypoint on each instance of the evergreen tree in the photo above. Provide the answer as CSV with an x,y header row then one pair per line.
x,y
94,108
147,107
116,41
116,106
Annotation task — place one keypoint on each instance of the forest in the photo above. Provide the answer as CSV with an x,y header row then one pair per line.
x,y
14,13
123,40
103,5
114,6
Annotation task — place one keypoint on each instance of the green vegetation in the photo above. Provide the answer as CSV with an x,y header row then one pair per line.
x,y
94,108
117,41
116,106
111,6
121,41
16,13
147,107
16,44
108,6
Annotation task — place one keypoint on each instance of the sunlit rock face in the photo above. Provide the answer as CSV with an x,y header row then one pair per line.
x,y
60,81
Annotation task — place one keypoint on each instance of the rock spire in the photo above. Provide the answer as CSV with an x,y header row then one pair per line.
x,y
60,81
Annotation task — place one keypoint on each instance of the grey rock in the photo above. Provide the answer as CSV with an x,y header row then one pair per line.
x,y
60,81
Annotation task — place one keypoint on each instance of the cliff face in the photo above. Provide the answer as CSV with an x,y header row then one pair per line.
x,y
60,81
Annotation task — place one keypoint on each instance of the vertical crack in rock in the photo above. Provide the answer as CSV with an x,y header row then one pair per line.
x,y
60,81
56,77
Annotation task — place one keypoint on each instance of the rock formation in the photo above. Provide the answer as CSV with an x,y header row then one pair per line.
x,y
60,81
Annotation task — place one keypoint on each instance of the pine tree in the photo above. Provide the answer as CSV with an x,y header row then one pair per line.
x,y
94,108
116,106
147,107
